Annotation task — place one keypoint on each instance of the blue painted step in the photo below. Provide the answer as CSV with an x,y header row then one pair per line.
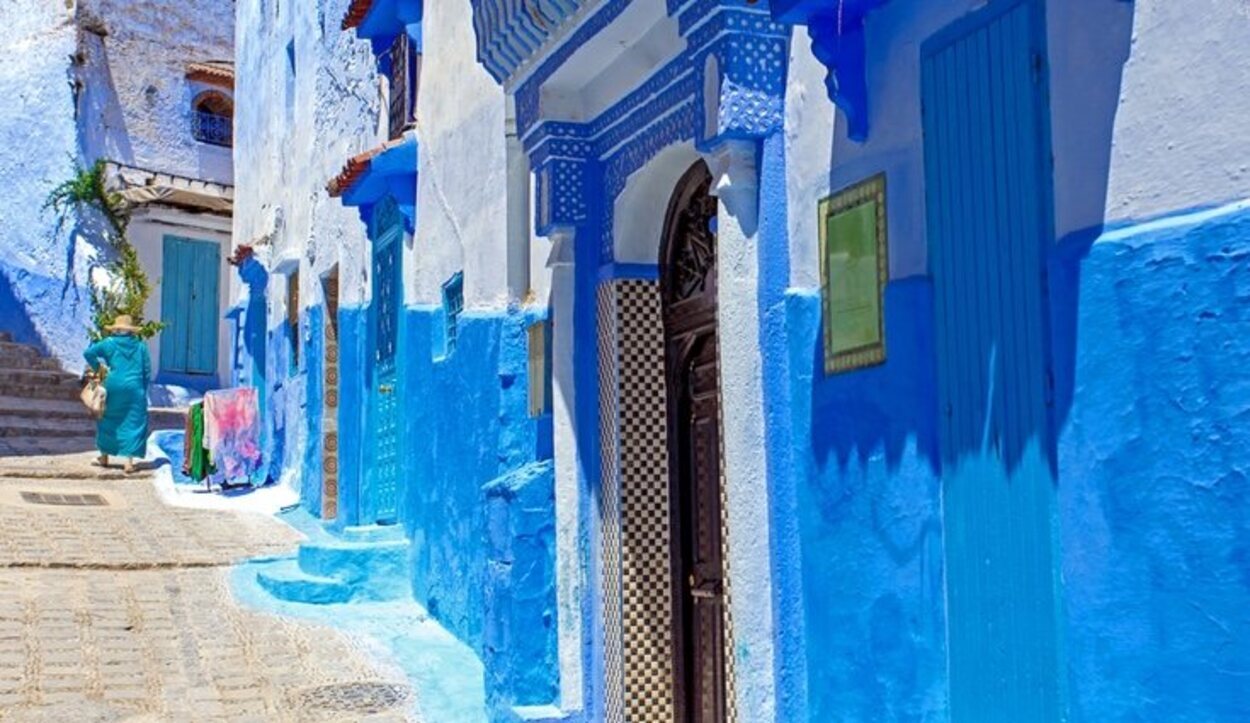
x,y
286,581
368,563
374,570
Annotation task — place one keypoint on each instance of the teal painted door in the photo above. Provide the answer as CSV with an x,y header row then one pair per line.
x,y
988,212
189,305
382,502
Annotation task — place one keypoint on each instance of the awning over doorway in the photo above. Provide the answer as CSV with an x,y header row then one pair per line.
x,y
143,187
387,170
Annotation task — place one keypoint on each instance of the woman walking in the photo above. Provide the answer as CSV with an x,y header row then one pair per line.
x,y
123,430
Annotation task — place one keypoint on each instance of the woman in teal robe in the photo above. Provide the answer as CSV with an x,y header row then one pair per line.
x,y
123,430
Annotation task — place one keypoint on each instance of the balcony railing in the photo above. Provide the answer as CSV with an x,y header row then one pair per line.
x,y
217,130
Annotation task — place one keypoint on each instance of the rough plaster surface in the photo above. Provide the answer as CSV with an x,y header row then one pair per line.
x,y
462,206
79,96
43,268
137,102
1151,324
869,512
296,124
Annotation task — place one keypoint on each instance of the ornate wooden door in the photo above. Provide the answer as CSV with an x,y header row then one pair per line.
x,y
691,348
383,500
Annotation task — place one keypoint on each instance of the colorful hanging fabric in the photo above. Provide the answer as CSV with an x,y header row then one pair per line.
x,y
232,432
198,464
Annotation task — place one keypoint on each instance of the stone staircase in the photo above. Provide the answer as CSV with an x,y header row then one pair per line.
x,y
361,564
40,410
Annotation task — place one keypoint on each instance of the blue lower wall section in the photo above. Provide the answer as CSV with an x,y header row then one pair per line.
x,y
354,383
519,650
314,389
869,518
1152,327
466,433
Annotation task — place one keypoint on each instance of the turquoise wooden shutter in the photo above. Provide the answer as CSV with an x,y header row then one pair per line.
x,y
987,202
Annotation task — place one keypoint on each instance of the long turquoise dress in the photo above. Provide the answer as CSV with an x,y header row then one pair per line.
x,y
123,430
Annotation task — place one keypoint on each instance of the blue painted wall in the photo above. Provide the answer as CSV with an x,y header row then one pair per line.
x,y
466,430
519,646
353,385
869,515
1152,344
313,351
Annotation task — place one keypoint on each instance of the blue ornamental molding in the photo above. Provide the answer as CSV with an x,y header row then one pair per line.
x,y
837,31
727,85
509,32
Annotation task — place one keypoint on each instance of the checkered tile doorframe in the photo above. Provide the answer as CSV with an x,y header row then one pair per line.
x,y
636,575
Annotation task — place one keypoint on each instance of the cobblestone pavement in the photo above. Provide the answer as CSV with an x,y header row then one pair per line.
x,y
122,612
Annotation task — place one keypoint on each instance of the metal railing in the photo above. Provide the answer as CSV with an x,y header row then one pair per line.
x,y
217,130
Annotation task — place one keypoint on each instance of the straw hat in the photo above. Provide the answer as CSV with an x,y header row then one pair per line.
x,y
122,323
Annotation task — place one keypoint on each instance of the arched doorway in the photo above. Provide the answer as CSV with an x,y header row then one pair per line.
x,y
688,293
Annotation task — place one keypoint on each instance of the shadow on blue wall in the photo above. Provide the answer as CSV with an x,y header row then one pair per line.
x,y
14,317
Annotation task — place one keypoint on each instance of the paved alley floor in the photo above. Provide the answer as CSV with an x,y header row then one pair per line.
x,y
116,607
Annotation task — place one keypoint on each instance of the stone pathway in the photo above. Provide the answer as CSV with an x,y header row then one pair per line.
x,y
121,610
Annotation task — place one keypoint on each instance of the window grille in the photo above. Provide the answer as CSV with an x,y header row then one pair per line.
x,y
453,304
405,64
292,318
212,118
217,130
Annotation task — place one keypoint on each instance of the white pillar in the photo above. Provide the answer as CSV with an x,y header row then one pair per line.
x,y
518,209
570,580
735,181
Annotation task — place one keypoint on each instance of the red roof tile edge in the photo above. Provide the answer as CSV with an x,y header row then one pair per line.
x,y
356,13
356,167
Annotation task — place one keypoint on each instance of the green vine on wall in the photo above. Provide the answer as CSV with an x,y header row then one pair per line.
x,y
130,287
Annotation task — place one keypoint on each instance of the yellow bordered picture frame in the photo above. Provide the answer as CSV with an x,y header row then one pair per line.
x,y
854,269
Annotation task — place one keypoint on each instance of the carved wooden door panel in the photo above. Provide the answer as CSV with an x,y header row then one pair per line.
x,y
689,285
383,500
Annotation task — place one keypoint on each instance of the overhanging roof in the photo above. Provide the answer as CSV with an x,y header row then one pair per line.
x,y
212,72
389,169
144,187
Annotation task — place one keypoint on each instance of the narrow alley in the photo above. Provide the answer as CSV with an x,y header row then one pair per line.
x,y
114,606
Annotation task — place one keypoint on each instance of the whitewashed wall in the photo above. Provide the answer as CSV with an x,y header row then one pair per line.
x,y
461,194
1148,108
307,99
137,99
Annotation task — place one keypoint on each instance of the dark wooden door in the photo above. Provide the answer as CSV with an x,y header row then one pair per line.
x,y
689,288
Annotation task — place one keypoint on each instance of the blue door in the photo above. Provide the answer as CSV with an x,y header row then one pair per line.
x,y
189,306
381,505
988,211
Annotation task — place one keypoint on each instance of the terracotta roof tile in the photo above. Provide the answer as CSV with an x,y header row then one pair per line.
x,y
356,167
213,72
356,13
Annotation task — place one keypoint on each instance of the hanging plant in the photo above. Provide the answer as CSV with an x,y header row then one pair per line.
x,y
125,287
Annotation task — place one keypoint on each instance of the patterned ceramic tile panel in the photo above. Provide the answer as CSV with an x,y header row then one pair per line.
x,y
636,577
646,566
330,402
610,512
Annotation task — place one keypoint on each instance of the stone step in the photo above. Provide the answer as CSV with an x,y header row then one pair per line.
x,y
6,336
12,426
373,533
374,570
39,377
62,391
286,581
23,356
42,447
166,418
43,408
